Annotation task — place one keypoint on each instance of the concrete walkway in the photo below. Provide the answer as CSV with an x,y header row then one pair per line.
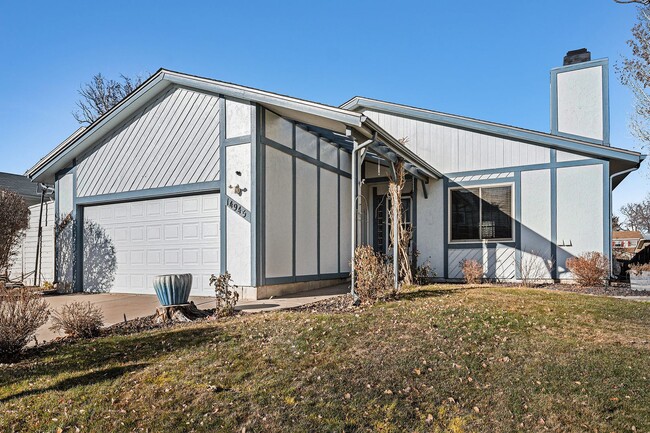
x,y
117,306
634,298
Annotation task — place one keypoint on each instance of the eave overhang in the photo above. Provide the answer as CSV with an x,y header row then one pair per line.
x,y
321,115
629,157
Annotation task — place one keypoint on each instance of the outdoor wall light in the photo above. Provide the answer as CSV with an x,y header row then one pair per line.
x,y
237,189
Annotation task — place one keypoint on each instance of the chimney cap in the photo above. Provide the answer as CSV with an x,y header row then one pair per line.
x,y
577,56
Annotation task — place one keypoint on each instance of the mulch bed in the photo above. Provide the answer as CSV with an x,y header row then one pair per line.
x,y
337,304
614,289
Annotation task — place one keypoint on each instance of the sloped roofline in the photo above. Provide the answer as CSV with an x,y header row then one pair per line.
x,y
358,103
82,139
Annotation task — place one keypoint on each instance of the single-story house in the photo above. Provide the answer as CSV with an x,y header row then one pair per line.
x,y
190,174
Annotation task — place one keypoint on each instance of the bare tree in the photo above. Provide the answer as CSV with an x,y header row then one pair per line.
x,y
634,72
624,2
637,215
616,223
14,219
101,94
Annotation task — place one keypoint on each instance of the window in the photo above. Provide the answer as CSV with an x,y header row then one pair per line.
x,y
482,213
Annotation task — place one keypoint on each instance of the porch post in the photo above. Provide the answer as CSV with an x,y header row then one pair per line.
x,y
353,212
353,215
396,231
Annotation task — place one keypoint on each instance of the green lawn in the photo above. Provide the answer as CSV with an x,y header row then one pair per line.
x,y
441,358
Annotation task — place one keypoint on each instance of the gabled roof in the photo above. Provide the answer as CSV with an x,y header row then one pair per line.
x,y
359,103
324,116
626,234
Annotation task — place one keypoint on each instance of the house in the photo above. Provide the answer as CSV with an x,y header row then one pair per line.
x,y
22,186
627,241
25,265
190,174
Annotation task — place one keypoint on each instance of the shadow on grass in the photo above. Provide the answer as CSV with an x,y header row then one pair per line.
x,y
79,355
88,379
423,293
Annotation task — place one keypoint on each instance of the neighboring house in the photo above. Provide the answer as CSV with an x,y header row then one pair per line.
x,y
24,263
626,240
21,185
627,243
190,174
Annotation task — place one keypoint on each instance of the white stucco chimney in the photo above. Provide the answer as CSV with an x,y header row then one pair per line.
x,y
580,98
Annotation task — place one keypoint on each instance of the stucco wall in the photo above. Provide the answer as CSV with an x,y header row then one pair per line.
x,y
307,204
580,224
580,102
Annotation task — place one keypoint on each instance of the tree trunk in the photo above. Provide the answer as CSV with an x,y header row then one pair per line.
x,y
179,313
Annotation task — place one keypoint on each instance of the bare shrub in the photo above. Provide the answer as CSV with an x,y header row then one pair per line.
x,y
14,219
589,269
637,269
423,272
78,319
374,278
472,271
22,312
226,294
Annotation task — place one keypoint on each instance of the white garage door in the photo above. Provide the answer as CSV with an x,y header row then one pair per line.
x,y
151,237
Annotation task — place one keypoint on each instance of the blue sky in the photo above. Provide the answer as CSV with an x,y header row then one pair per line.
x,y
488,60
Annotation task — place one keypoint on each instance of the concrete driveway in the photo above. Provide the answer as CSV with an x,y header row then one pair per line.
x,y
117,306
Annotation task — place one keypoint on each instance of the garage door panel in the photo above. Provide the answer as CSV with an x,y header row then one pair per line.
x,y
190,206
211,257
172,235
137,234
210,230
154,233
191,231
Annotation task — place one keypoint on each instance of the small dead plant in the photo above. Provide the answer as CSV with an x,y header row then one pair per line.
x,y
22,312
590,269
533,268
374,278
638,269
472,271
226,293
78,319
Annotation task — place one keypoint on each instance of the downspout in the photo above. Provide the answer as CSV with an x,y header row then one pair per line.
x,y
355,155
611,178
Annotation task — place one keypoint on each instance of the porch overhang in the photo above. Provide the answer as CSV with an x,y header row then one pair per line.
x,y
382,146
388,148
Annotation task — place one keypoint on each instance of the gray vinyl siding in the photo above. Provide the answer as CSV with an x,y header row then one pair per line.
x,y
453,150
173,140
25,258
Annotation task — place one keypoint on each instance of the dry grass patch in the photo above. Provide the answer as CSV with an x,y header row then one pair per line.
x,y
442,358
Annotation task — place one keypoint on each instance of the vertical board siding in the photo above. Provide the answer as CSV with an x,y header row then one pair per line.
x,y
452,150
174,140
25,259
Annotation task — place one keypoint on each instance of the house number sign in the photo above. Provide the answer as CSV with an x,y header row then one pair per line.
x,y
239,209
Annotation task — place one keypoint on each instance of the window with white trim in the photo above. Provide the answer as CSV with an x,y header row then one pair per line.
x,y
481,213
